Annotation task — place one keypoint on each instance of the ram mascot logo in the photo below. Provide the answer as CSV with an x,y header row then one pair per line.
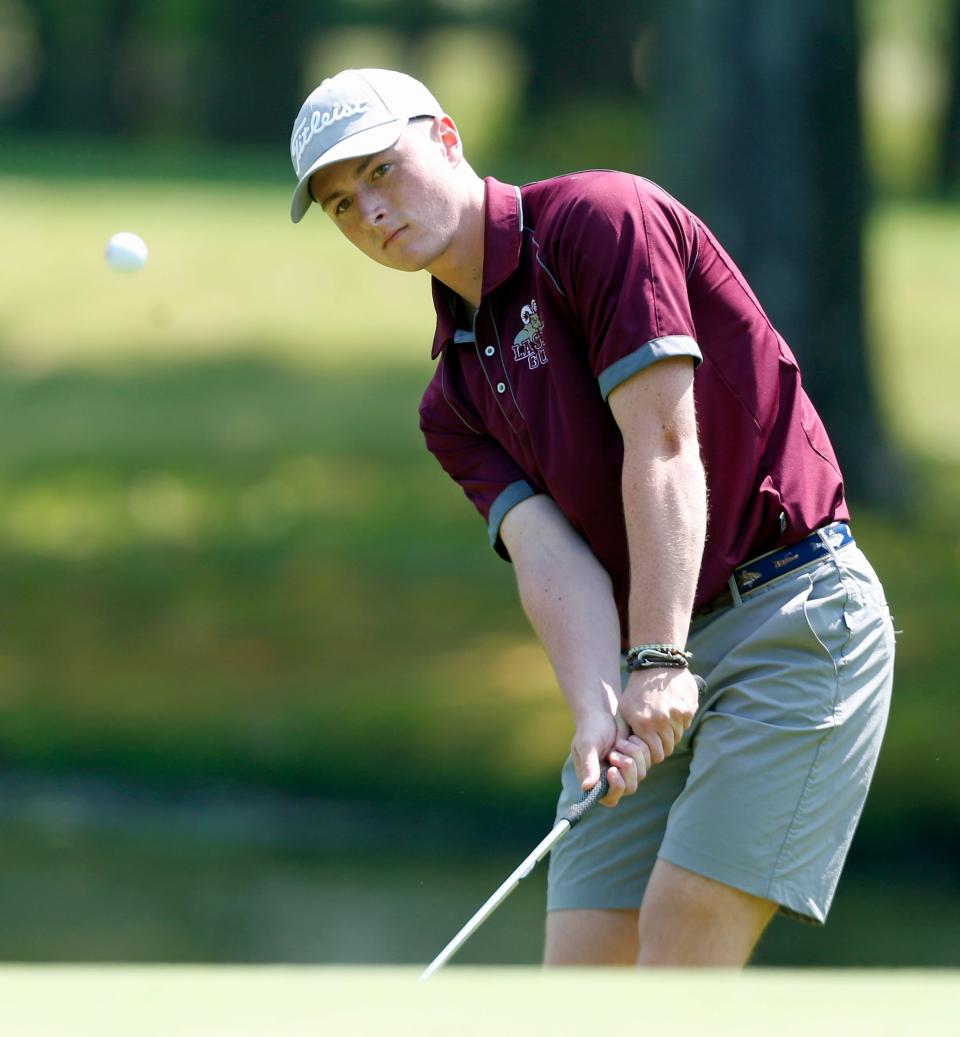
x,y
529,344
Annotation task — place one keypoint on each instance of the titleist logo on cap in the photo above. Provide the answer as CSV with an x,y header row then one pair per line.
x,y
305,131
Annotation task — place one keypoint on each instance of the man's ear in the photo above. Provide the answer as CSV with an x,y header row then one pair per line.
x,y
446,132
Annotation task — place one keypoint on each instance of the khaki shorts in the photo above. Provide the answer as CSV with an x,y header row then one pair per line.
x,y
765,790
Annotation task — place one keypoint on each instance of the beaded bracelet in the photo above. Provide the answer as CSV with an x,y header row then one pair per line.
x,y
646,656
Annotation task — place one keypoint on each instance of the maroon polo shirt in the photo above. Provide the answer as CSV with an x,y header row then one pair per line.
x,y
587,280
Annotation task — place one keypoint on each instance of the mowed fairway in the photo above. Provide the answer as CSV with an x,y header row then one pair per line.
x,y
281,1002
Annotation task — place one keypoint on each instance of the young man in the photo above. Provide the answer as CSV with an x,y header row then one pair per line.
x,y
603,372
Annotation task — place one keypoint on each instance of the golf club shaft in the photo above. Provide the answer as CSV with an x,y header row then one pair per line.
x,y
569,819
497,898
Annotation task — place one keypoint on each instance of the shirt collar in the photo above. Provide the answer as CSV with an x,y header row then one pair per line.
x,y
502,235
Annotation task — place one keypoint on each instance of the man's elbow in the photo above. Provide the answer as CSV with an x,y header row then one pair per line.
x,y
656,413
677,440
672,443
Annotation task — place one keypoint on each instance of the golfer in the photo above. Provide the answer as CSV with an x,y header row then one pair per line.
x,y
612,398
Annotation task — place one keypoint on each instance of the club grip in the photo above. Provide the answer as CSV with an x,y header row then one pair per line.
x,y
587,800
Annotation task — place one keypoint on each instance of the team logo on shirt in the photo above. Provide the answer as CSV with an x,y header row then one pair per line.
x,y
529,344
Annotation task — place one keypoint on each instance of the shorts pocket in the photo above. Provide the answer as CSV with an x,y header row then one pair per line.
x,y
826,610
863,585
867,612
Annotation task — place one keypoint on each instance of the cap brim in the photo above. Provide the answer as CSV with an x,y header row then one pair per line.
x,y
357,145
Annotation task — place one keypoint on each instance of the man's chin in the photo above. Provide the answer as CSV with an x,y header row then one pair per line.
x,y
405,261
405,266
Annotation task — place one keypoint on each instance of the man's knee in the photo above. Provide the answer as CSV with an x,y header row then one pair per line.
x,y
591,938
688,919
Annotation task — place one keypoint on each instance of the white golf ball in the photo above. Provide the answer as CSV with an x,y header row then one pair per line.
x,y
126,251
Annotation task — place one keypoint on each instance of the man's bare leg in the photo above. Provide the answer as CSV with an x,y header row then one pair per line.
x,y
687,919
591,938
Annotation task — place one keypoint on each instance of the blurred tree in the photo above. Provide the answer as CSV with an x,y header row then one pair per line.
x,y
574,51
584,100
949,171
760,129
228,69
78,88
258,54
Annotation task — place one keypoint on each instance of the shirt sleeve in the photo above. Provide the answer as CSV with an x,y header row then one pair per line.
x,y
624,257
491,479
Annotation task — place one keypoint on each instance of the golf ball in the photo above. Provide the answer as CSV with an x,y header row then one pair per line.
x,y
126,251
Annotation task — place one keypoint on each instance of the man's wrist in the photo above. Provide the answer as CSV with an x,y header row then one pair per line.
x,y
657,655
603,701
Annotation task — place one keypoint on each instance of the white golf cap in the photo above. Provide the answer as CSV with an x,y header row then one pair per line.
x,y
357,112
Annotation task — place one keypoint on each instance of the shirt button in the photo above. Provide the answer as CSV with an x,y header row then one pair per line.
x,y
489,351
501,387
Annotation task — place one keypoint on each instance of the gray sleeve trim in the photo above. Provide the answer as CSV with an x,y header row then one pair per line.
x,y
509,498
649,353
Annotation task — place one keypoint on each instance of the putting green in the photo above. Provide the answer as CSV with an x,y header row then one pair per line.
x,y
56,1001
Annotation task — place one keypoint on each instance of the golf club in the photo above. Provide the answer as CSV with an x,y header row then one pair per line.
x,y
560,829
573,815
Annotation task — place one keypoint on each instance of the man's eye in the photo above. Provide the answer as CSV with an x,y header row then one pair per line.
x,y
380,170
342,207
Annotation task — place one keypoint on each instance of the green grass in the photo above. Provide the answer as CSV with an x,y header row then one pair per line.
x,y
472,1003
227,273
225,551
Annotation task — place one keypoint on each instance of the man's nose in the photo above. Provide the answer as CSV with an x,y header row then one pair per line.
x,y
372,209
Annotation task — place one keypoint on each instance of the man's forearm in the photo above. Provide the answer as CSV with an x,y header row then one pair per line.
x,y
665,509
664,497
568,598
